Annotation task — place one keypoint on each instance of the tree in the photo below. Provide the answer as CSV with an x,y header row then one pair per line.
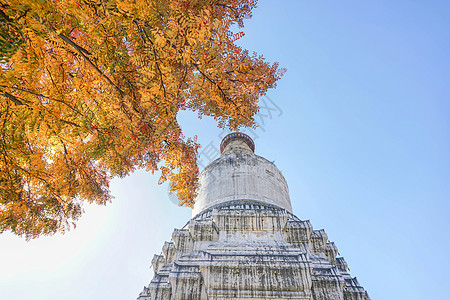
x,y
90,89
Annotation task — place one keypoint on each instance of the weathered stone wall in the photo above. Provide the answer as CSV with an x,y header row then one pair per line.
x,y
250,250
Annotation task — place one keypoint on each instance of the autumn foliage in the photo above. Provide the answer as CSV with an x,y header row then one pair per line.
x,y
90,89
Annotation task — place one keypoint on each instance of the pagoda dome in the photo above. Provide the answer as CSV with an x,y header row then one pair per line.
x,y
241,175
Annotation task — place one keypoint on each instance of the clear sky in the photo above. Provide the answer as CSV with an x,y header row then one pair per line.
x,y
359,126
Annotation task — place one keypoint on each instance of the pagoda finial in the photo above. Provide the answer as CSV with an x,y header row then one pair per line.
x,y
237,136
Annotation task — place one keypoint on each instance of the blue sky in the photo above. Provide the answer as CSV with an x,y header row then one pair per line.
x,y
360,131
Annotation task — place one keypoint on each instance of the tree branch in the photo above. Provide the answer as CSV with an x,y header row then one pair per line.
x,y
13,98
83,52
228,99
40,95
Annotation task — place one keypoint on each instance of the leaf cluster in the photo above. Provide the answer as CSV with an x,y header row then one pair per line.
x,y
91,89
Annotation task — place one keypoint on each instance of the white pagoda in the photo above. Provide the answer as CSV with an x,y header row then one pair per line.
x,y
244,242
